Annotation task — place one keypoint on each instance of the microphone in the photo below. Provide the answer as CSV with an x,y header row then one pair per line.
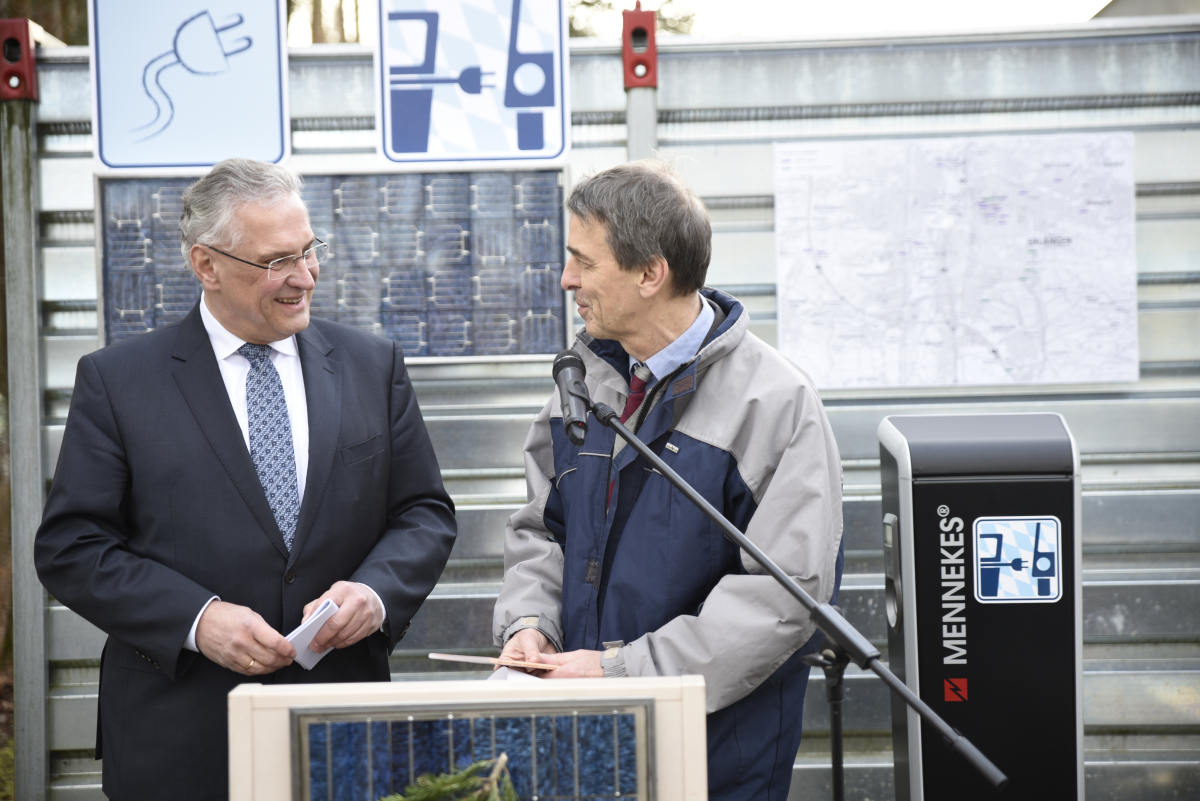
x,y
568,374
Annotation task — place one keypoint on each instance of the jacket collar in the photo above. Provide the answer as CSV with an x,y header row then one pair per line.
x,y
608,363
199,379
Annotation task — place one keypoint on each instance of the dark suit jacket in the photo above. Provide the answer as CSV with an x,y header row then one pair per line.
x,y
156,507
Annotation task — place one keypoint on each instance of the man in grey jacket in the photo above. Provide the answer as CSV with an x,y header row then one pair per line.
x,y
609,571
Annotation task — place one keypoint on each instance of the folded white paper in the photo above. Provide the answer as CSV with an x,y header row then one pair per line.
x,y
302,637
508,674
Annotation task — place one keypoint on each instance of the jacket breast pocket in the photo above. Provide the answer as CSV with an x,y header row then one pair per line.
x,y
363,450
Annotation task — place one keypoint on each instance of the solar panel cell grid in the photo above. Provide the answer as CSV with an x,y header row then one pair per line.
x,y
127,248
404,290
355,246
447,197
408,254
494,287
539,241
177,294
449,333
404,197
491,196
555,755
401,245
537,194
358,200
410,330
494,332
318,198
449,288
493,242
448,242
540,285
540,330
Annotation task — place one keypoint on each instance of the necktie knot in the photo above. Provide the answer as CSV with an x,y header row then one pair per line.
x,y
256,354
638,379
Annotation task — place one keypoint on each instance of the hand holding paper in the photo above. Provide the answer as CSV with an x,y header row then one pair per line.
x,y
302,637
360,614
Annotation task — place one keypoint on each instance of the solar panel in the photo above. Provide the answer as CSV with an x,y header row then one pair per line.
x,y
559,752
447,264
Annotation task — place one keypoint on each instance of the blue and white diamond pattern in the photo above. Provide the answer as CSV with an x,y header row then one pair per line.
x,y
271,439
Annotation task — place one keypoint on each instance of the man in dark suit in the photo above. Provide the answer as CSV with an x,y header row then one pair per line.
x,y
222,477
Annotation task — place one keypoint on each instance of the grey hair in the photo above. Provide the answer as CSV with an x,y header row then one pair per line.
x,y
210,205
648,211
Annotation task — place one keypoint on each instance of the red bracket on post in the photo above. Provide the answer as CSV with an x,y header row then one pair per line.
x,y
639,51
18,70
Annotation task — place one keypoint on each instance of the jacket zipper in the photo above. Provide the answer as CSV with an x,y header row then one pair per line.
x,y
648,405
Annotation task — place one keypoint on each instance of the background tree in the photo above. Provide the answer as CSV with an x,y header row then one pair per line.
x,y
669,17
582,14
62,19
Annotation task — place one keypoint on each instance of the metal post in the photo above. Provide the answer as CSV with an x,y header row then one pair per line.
x,y
641,122
18,157
833,660
835,689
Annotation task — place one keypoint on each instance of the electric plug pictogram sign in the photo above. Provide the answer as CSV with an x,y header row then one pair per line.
x,y
198,48
472,80
188,83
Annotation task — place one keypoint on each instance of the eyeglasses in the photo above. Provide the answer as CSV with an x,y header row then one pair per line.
x,y
281,268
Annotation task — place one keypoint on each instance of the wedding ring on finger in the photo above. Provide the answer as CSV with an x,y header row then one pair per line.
x,y
250,665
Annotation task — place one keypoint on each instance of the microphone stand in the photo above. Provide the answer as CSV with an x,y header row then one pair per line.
x,y
847,643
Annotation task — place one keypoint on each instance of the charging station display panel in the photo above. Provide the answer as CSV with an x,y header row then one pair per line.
x,y
446,264
994,564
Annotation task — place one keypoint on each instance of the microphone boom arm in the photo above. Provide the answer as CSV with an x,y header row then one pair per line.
x,y
826,616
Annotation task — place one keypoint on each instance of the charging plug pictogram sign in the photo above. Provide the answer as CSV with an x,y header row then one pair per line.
x,y
956,689
190,82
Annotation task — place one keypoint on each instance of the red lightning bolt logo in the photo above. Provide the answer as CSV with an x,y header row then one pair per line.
x,y
956,689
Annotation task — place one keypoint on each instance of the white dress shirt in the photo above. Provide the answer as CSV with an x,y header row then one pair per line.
x,y
235,368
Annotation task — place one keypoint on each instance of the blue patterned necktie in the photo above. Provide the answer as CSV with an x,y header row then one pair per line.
x,y
271,439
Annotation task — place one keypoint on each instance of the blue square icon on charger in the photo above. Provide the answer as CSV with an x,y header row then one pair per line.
x,y
1018,559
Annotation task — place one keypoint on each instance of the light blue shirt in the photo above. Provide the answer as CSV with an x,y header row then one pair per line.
x,y
682,349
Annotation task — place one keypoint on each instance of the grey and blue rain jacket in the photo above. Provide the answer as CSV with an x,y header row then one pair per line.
x,y
747,429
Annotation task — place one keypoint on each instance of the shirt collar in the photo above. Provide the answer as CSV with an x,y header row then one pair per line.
x,y
685,347
226,344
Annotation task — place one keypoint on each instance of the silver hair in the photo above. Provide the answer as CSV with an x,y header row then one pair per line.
x,y
210,205
648,211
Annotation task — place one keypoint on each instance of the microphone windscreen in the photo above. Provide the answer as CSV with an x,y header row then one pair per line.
x,y
565,359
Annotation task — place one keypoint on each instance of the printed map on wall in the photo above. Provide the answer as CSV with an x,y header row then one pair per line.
x,y
968,261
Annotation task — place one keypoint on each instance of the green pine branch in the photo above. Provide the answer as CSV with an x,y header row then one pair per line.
x,y
486,780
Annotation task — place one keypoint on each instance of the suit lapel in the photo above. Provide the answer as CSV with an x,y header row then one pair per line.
x,y
199,379
323,388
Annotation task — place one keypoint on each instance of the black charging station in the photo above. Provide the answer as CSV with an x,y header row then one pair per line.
x,y
984,597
